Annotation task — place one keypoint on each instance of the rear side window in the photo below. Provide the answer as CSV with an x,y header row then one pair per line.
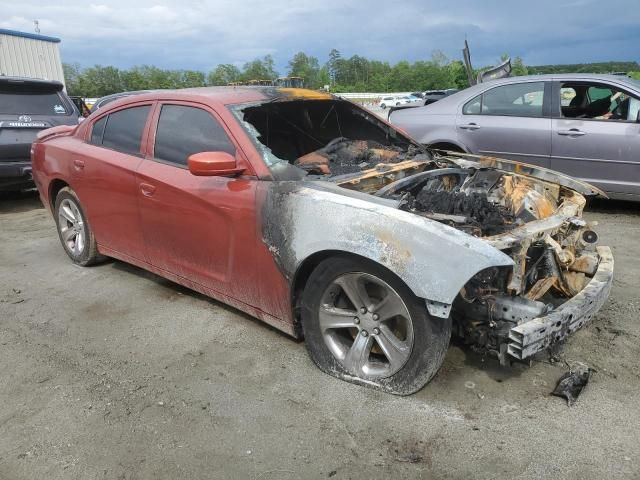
x,y
183,131
97,131
123,130
27,102
518,99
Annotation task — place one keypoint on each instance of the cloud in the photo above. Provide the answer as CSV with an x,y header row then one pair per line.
x,y
200,34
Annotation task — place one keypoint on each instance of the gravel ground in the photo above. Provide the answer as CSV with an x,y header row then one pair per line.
x,y
110,372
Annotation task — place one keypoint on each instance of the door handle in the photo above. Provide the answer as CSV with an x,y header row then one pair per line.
x,y
470,126
78,164
573,132
147,189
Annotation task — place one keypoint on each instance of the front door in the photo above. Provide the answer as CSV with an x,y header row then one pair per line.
x,y
596,136
509,121
198,228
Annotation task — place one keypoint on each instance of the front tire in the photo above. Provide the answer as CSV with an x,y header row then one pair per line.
x,y
74,231
363,324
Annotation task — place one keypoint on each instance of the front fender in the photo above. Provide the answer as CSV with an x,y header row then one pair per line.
x,y
434,260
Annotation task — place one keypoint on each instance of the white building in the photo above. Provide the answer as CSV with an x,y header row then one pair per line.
x,y
30,55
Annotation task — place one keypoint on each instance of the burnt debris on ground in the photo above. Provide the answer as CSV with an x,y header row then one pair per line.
x,y
572,383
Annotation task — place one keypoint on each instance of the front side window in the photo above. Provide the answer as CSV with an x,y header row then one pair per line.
x,y
183,131
518,99
124,128
597,102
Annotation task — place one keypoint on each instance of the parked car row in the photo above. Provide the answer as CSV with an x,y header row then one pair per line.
x,y
584,125
397,100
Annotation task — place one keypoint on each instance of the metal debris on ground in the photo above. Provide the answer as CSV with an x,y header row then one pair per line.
x,y
572,382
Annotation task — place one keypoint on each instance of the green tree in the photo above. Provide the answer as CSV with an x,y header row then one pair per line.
x,y
223,75
306,67
259,69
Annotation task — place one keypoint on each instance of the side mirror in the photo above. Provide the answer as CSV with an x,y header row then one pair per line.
x,y
213,164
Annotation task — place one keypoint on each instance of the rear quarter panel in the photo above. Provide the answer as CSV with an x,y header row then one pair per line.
x,y
52,160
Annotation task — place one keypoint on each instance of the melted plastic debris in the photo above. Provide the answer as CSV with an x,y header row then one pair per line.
x,y
571,383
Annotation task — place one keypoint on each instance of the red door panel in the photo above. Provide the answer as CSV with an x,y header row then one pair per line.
x,y
200,228
109,192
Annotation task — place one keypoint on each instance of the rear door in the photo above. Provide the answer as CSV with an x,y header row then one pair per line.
x,y
199,228
600,145
509,121
105,178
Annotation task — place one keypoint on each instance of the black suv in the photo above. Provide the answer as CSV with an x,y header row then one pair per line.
x,y
26,107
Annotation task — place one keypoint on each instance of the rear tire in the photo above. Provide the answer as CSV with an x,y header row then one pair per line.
x,y
383,106
398,352
74,231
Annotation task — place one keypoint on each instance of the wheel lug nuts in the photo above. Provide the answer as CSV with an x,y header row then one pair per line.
x,y
365,333
376,331
376,316
363,310
356,320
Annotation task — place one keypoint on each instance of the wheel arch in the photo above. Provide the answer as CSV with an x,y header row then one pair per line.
x,y
447,145
55,186
309,264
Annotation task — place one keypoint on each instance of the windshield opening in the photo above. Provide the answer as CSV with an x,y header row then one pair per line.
x,y
324,137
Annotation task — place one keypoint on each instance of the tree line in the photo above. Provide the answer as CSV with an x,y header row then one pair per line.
x,y
353,74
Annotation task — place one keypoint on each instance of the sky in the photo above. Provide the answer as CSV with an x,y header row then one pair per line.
x,y
201,34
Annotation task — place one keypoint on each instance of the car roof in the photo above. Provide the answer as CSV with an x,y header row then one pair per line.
x,y
230,95
32,82
561,76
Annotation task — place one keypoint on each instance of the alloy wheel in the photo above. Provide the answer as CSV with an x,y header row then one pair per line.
x,y
366,325
71,226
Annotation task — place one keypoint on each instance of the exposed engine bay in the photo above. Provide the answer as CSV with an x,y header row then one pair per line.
x,y
535,220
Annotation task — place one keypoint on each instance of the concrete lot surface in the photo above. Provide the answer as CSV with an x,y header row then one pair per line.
x,y
110,372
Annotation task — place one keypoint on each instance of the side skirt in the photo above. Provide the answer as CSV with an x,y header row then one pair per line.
x,y
275,322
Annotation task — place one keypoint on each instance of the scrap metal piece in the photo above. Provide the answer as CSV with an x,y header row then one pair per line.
x,y
586,263
534,336
541,287
572,383
468,160
374,179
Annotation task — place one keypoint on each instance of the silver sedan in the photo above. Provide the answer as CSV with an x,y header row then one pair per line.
x,y
584,125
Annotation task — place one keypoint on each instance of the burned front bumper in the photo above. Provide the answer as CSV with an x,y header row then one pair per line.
x,y
535,335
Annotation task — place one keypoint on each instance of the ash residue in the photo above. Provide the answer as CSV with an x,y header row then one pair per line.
x,y
342,155
347,156
489,217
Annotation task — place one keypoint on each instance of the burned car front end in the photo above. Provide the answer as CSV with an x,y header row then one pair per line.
x,y
498,246
560,276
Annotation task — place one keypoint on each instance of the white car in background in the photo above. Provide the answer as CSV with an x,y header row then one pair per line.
x,y
393,100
